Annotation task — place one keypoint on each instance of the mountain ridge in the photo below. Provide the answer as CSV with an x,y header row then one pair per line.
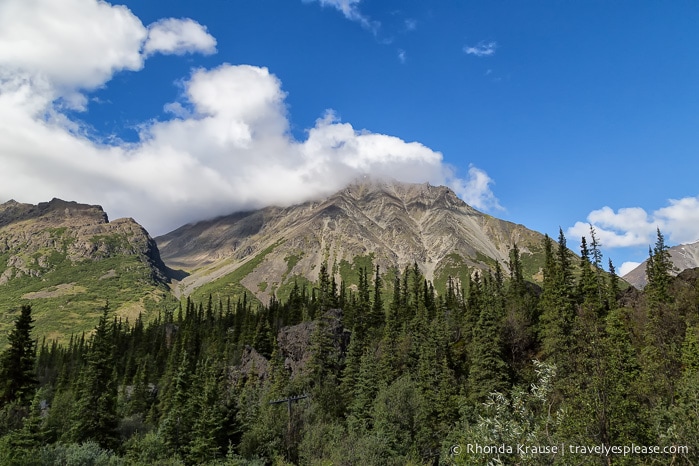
x,y
395,223
65,256
682,256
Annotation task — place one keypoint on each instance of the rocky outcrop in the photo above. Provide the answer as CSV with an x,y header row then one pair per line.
x,y
295,346
35,238
295,341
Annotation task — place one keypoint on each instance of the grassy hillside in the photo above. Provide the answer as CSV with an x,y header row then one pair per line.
x,y
70,297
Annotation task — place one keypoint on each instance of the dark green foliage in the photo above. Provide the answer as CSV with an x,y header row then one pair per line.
x,y
395,376
488,371
17,374
557,305
658,270
95,408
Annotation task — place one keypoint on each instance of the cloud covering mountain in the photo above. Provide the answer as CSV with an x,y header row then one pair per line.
x,y
227,146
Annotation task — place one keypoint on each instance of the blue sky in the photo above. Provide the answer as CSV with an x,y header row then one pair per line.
x,y
550,114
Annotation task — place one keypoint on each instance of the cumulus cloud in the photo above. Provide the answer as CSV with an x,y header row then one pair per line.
x,y
633,226
475,190
226,146
482,49
71,44
172,36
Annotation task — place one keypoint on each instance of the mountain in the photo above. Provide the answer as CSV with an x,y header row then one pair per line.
x,y
67,259
389,224
683,257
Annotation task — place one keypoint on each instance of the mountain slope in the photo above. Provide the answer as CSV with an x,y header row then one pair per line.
x,y
67,260
391,224
683,257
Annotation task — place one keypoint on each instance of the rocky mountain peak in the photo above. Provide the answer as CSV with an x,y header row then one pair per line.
x,y
682,256
390,223
30,235
56,212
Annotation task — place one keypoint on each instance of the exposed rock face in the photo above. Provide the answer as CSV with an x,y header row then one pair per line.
x,y
295,341
295,346
34,237
683,257
251,364
397,223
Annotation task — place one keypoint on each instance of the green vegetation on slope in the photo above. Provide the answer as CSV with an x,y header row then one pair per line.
x,y
505,366
69,297
229,285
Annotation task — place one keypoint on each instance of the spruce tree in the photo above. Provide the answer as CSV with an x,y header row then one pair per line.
x,y
95,415
488,371
557,311
613,288
377,312
17,374
658,269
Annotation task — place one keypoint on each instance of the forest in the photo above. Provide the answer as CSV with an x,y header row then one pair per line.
x,y
574,370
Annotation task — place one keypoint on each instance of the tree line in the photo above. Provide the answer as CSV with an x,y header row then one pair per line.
x,y
410,374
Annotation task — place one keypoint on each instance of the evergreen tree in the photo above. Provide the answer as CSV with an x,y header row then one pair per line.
x,y
664,328
323,368
488,371
377,312
95,415
177,417
326,297
658,270
17,374
613,287
557,311
516,275
364,393
208,416
140,399
596,260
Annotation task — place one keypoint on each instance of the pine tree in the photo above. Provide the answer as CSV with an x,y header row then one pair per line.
x,y
208,415
627,418
176,423
377,312
326,296
658,270
664,327
140,399
516,275
488,371
596,260
95,415
557,311
613,287
364,392
17,375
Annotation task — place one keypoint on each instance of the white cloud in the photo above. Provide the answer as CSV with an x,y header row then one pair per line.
x,y
475,190
410,24
172,36
680,219
633,226
627,267
60,49
350,10
482,49
71,44
227,147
